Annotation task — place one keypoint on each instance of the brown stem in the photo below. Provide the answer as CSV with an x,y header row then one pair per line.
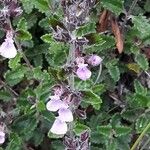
x,y
9,88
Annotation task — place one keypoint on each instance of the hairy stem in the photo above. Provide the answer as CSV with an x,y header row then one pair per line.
x,y
99,74
71,59
140,137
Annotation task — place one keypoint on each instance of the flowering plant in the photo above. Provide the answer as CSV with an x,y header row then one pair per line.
x,y
74,75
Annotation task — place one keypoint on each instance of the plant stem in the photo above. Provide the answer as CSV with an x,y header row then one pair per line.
x,y
19,47
99,74
140,137
23,55
70,61
9,88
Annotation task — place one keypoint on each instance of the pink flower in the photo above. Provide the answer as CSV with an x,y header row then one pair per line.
x,y
55,104
65,115
83,72
94,60
2,137
7,49
59,127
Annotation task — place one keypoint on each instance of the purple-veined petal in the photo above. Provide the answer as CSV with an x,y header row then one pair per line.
x,y
54,105
83,73
8,49
65,115
59,127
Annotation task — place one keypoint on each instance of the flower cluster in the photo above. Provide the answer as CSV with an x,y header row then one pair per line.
x,y
79,142
82,71
2,137
64,114
10,8
8,49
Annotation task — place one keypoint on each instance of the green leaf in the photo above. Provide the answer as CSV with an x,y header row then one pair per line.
x,y
141,100
97,138
47,38
25,125
41,75
92,99
114,72
139,89
15,142
111,144
15,62
57,145
80,128
99,88
105,130
23,35
123,142
22,24
5,95
146,6
54,136
121,130
27,6
38,137
142,61
131,115
15,76
41,106
142,122
116,6
41,5
86,29
141,24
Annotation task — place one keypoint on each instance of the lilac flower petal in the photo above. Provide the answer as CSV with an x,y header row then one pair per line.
x,y
2,137
2,134
59,127
81,65
55,97
83,73
8,49
54,105
2,140
94,60
65,115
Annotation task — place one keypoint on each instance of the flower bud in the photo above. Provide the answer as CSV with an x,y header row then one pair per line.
x,y
94,60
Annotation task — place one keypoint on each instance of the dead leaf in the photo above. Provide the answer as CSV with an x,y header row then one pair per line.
x,y
117,33
103,21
